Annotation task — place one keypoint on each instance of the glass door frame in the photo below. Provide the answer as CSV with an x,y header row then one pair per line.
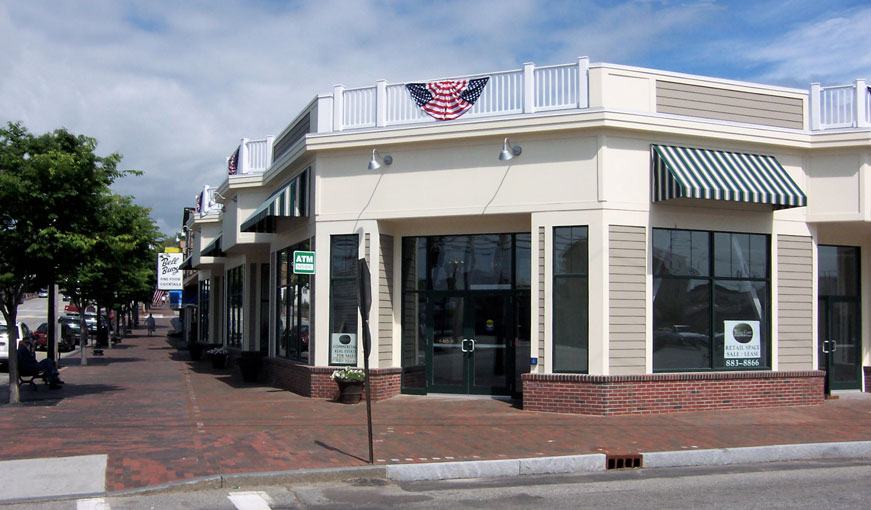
x,y
826,312
468,385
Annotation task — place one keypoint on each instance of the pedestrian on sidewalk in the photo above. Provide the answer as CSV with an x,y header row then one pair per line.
x,y
149,323
27,364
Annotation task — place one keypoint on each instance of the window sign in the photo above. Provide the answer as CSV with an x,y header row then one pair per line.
x,y
343,349
742,347
304,262
169,276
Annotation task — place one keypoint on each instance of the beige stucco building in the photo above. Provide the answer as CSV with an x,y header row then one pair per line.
x,y
590,238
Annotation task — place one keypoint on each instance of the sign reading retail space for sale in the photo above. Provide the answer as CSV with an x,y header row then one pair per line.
x,y
303,262
742,346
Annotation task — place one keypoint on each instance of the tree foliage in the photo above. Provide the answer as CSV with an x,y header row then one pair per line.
x,y
63,224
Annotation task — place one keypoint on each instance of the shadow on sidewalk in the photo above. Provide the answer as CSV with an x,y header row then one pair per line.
x,y
337,450
42,396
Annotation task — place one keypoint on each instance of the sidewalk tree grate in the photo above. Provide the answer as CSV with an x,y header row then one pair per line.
x,y
624,461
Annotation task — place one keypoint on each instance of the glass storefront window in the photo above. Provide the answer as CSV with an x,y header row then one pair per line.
x,y
711,300
205,295
570,299
343,299
294,307
235,320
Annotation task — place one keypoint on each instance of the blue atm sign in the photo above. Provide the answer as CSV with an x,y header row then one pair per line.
x,y
303,262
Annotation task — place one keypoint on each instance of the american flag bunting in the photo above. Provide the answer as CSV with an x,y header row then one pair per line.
x,y
448,99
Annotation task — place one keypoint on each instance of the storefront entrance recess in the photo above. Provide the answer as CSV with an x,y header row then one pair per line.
x,y
464,327
840,328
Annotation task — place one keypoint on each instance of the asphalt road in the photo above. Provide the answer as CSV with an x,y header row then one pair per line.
x,y
794,485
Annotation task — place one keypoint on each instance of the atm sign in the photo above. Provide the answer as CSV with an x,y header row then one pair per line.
x,y
304,262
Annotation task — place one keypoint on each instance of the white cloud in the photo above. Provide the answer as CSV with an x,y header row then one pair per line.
x,y
173,86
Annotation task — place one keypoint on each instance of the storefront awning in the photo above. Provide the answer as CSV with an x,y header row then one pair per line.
x,y
681,172
213,249
288,202
186,264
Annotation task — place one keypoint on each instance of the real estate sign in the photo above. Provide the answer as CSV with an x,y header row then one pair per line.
x,y
303,262
169,276
343,349
742,346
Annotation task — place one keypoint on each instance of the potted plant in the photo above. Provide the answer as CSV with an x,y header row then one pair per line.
x,y
220,357
250,363
350,381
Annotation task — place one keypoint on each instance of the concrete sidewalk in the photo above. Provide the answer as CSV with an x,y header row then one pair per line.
x,y
160,418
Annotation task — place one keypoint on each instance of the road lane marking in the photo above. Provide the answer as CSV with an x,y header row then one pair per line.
x,y
250,500
92,504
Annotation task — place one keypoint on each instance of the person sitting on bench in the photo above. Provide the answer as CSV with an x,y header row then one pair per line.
x,y
27,364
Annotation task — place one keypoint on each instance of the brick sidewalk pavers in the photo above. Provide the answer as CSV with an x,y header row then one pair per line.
x,y
161,417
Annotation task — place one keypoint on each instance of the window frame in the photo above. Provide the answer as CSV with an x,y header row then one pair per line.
x,y
569,276
717,358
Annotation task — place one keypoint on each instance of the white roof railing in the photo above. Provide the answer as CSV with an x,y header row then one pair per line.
x,y
844,106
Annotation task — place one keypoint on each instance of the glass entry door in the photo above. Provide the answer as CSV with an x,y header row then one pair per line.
x,y
839,342
840,316
471,343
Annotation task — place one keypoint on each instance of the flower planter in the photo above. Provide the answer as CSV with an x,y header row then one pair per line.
x,y
220,361
250,364
350,392
196,350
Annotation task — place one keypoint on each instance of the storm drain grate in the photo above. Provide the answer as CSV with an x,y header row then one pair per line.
x,y
623,461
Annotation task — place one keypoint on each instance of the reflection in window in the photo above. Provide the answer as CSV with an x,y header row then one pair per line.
x,y
570,299
343,286
235,318
694,293
294,307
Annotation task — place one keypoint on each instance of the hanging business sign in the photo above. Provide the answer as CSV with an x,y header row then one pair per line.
x,y
343,349
303,262
169,276
742,346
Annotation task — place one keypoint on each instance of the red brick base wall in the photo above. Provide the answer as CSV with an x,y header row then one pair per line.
x,y
867,379
315,382
667,393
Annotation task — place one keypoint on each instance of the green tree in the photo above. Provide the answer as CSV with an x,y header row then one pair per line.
x,y
52,188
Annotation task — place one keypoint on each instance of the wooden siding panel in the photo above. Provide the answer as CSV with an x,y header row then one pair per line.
x,y
730,105
795,302
627,299
385,305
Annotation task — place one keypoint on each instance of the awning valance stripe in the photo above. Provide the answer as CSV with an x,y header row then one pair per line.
x,y
681,172
288,202
186,264
213,249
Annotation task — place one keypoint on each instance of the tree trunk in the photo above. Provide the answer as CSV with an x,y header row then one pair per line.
x,y
10,313
51,328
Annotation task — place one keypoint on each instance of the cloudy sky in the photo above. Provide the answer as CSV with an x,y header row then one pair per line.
x,y
174,85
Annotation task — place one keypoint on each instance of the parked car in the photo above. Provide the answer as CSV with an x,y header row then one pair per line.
x,y
40,337
23,332
42,293
64,344
71,331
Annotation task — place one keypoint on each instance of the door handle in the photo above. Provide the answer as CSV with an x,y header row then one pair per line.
x,y
834,345
473,345
463,345
824,347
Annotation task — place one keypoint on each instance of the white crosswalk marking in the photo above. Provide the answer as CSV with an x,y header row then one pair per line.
x,y
92,504
250,500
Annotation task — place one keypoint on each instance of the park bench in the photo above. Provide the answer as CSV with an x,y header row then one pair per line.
x,y
28,376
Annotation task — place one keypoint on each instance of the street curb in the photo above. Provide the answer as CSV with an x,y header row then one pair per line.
x,y
757,454
595,462
496,468
259,478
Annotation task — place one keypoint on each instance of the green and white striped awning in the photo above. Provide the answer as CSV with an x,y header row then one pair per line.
x,y
186,264
213,249
288,202
681,172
